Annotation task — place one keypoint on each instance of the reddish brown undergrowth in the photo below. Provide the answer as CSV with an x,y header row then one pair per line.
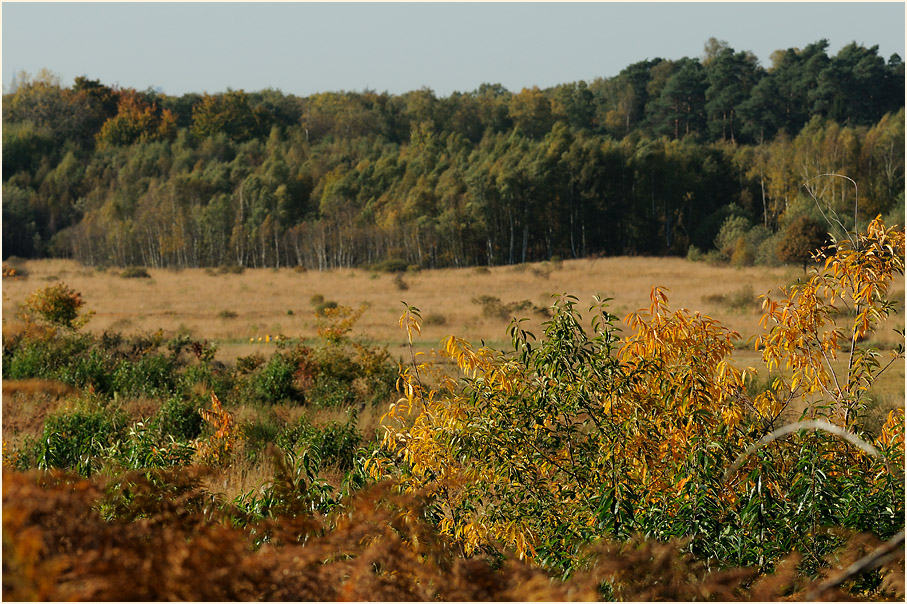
x,y
171,540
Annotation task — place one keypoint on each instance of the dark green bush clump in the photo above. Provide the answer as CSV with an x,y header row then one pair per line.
x,y
391,265
435,319
76,439
494,308
151,375
323,306
90,369
335,443
274,382
741,300
68,357
232,269
179,418
135,272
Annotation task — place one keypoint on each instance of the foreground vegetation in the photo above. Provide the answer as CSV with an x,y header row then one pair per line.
x,y
581,465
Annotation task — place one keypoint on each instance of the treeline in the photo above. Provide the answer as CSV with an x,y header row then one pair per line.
x,y
716,154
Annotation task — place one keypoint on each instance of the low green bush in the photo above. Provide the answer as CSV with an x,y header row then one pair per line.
x,y
135,272
740,300
391,265
179,418
91,369
492,306
44,357
151,375
694,254
273,383
232,269
328,391
336,443
77,439
435,319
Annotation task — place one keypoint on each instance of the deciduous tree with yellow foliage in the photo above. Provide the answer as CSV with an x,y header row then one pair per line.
x,y
588,433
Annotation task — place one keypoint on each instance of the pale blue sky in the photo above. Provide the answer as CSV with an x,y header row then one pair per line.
x,y
303,48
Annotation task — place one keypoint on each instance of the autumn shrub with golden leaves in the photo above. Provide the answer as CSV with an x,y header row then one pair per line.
x,y
830,317
225,435
584,435
57,306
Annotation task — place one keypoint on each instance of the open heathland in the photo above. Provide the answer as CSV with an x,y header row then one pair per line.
x,y
243,312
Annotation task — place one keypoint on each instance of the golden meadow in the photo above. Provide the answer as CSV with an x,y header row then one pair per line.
x,y
235,311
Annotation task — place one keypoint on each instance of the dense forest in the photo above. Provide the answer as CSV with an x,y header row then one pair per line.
x,y
711,156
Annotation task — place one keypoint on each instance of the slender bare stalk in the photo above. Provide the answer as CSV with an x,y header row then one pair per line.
x,y
806,425
879,556
855,204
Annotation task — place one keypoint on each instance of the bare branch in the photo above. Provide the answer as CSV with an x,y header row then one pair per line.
x,y
882,554
855,205
810,424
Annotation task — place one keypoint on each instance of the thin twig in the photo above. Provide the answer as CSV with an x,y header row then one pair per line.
x,y
810,424
878,557
855,204
830,369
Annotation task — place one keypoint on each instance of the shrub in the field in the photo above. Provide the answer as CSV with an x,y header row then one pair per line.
x,y
56,305
178,417
44,356
391,265
135,272
273,382
150,375
336,443
90,369
77,439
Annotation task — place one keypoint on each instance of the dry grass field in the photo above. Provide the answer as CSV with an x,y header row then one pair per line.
x,y
232,309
